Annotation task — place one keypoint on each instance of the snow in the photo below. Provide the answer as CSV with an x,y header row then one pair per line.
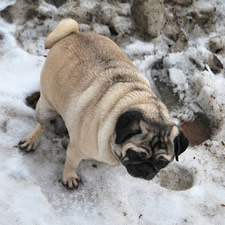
x,y
6,3
191,191
178,78
139,47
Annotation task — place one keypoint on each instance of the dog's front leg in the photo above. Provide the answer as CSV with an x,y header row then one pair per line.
x,y
70,179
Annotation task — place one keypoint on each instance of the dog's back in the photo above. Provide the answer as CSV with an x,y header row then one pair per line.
x,y
76,60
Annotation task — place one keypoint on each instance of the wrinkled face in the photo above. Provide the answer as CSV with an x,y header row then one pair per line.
x,y
147,147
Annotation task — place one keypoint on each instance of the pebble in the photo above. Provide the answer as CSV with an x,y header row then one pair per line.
x,y
213,62
217,43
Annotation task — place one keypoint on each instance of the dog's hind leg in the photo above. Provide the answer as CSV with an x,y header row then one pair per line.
x,y
44,113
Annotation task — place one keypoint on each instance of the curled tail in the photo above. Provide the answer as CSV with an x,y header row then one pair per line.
x,y
63,29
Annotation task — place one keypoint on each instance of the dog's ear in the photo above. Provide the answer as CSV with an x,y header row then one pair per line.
x,y
127,126
180,144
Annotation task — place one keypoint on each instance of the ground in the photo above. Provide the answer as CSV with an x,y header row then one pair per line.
x,y
190,191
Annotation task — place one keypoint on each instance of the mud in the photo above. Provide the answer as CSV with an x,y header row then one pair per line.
x,y
32,99
197,130
4,126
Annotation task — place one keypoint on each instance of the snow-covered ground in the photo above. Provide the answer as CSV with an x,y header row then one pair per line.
x,y
191,191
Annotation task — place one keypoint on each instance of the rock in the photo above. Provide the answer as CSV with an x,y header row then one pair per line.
x,y
31,13
176,177
197,62
7,15
198,130
204,12
21,11
57,3
104,13
167,95
183,2
148,16
80,14
108,15
217,43
84,28
122,25
213,62
123,9
205,8
173,31
122,1
101,29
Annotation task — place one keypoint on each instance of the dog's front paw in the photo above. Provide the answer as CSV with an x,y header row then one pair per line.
x,y
72,182
27,144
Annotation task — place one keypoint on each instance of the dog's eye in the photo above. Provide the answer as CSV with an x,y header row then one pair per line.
x,y
162,162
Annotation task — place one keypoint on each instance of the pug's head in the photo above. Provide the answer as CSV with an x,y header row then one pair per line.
x,y
147,146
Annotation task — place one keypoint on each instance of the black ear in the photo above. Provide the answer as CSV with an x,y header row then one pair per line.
x,y
180,144
127,126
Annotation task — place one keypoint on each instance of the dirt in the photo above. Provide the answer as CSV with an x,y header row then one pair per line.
x,y
197,130
32,99
4,126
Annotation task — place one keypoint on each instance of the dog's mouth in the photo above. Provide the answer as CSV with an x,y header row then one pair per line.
x,y
141,170
146,169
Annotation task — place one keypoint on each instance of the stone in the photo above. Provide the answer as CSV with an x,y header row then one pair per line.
x,y
21,11
118,25
105,13
203,13
84,28
121,25
31,13
7,15
57,3
80,14
101,29
198,130
217,43
149,16
183,2
205,8
213,62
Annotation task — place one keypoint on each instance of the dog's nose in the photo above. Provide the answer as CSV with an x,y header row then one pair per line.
x,y
150,176
143,170
162,162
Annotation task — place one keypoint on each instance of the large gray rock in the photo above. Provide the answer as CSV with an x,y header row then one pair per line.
x,y
148,16
217,43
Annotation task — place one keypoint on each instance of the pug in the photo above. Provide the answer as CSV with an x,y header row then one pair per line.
x,y
108,107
